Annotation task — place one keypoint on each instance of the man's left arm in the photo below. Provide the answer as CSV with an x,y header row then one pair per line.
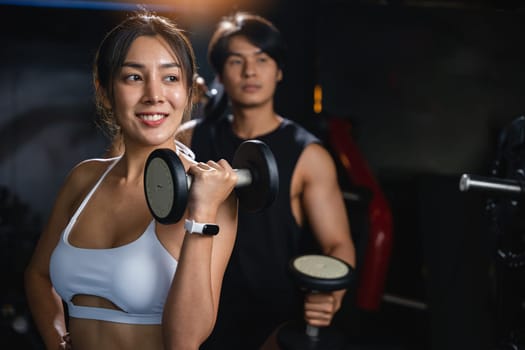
x,y
326,213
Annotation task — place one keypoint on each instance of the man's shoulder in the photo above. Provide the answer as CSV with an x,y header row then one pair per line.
x,y
294,125
300,132
189,125
184,132
187,130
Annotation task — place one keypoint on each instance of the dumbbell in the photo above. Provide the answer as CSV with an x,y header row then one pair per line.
x,y
166,184
315,273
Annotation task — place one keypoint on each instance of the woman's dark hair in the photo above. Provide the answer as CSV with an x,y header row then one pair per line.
x,y
113,51
257,30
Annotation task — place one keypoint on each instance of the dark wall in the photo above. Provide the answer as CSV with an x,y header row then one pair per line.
x,y
425,87
427,90
47,117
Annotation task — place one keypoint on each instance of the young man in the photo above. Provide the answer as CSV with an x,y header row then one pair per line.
x,y
247,54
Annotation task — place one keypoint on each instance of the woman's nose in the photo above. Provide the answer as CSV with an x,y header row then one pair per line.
x,y
153,92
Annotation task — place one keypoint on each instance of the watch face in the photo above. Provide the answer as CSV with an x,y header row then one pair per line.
x,y
210,229
165,186
159,187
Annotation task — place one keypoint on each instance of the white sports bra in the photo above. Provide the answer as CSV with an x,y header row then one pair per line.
x,y
135,277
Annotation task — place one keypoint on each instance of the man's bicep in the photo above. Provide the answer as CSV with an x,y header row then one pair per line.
x,y
323,199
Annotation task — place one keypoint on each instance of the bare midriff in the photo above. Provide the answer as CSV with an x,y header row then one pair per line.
x,y
87,334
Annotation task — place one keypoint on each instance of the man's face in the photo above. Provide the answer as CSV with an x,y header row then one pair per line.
x,y
249,75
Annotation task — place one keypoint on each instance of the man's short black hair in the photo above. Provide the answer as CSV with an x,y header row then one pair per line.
x,y
257,30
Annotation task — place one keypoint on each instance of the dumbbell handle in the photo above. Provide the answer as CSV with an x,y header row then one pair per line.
x,y
244,178
312,331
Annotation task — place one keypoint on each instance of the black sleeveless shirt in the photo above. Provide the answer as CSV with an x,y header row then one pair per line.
x,y
258,294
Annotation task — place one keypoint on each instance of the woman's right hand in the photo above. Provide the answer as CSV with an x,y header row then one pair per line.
x,y
212,183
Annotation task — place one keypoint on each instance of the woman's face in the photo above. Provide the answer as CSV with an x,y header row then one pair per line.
x,y
150,94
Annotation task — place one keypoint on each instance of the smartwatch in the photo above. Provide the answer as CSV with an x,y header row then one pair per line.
x,y
192,226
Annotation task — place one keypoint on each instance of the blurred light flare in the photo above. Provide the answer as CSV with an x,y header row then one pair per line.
x,y
318,99
187,7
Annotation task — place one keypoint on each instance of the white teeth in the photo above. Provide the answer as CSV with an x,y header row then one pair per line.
x,y
151,117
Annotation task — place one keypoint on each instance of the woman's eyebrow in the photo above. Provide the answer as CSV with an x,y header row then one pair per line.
x,y
140,65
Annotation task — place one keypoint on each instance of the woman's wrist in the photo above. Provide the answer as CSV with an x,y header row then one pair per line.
x,y
201,214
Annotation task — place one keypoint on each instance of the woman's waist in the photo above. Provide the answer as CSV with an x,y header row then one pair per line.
x,y
89,334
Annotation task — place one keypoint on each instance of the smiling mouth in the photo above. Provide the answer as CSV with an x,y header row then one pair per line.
x,y
151,117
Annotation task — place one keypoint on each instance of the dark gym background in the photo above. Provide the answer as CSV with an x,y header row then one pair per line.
x,y
427,86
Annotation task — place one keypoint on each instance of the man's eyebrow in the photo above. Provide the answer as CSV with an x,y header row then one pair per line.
x,y
232,53
235,53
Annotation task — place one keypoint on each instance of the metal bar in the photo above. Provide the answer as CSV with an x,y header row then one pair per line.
x,y
413,304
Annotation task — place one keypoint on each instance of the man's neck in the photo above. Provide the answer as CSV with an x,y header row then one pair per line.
x,y
252,122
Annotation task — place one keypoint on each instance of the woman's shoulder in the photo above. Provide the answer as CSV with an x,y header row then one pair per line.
x,y
88,171
93,164
80,179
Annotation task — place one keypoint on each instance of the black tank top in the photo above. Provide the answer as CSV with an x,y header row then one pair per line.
x,y
258,293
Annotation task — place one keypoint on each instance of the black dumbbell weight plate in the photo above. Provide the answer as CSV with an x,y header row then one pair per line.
x,y
165,186
321,272
256,156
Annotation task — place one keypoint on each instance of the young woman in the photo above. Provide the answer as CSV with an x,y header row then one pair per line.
x,y
127,281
